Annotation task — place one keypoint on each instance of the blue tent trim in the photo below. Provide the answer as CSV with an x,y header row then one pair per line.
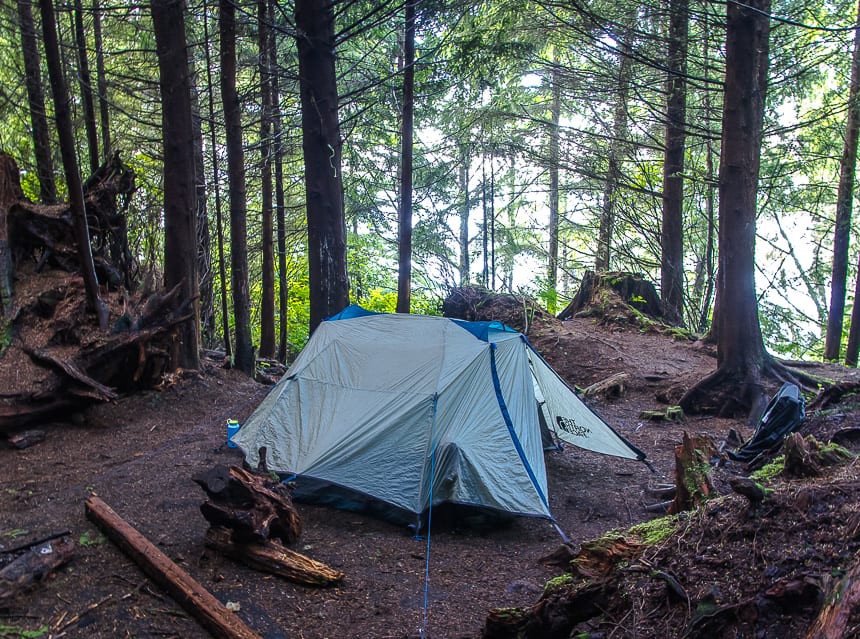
x,y
510,424
351,311
480,330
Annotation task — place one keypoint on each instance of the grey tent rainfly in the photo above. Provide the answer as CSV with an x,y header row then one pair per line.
x,y
407,411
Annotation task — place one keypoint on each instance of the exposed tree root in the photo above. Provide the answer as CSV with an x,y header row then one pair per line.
x,y
733,391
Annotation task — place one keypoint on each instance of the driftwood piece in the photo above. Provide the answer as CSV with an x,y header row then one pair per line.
x,y
611,387
255,507
273,557
34,565
194,598
692,476
841,600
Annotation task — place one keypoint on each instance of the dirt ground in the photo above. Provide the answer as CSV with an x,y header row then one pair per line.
x,y
140,452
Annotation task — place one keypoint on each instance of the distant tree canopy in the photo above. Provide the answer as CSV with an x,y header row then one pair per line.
x,y
546,140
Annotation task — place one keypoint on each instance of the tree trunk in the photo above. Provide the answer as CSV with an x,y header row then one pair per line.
x,y
10,192
216,185
844,204
70,162
404,240
86,88
205,274
244,356
619,135
672,235
742,361
552,260
180,223
463,235
36,100
321,143
267,300
101,82
283,285
740,345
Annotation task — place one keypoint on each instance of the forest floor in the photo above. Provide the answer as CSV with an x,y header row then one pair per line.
x,y
140,452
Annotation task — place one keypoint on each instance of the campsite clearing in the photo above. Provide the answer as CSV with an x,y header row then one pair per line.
x,y
139,454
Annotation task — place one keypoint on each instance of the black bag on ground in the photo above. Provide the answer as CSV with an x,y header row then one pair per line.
x,y
783,415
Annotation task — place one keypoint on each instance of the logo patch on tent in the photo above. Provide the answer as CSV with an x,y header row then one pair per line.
x,y
569,425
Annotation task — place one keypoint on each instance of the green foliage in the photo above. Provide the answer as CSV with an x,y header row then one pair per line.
x,y
655,530
770,470
8,631
485,74
13,533
559,582
88,541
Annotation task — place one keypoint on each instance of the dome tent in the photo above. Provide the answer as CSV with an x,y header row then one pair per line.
x,y
409,410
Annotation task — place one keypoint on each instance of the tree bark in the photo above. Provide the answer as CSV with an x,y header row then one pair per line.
x,y
742,361
36,100
216,185
672,233
844,205
10,192
101,82
552,260
283,284
404,236
86,87
36,564
180,224
275,558
244,356
321,143
619,135
267,298
463,236
841,600
205,275
70,162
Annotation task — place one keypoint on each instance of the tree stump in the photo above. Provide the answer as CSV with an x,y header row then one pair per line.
x,y
612,295
841,600
806,457
692,472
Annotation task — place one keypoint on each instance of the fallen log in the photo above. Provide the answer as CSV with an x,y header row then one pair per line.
x,y
255,507
557,613
611,387
273,557
194,598
33,566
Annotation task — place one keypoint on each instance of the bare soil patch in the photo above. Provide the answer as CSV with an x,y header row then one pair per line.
x,y
140,452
